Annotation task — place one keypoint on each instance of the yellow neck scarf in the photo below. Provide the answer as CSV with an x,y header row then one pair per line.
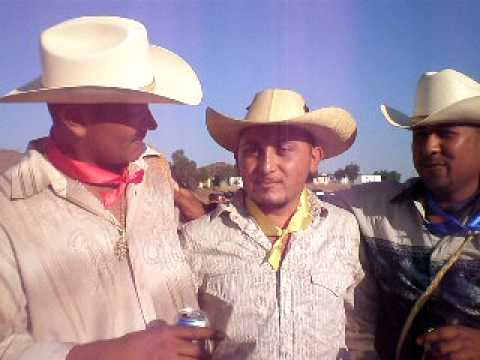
x,y
299,221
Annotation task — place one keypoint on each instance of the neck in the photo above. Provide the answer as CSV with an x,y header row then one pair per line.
x,y
77,152
280,216
447,200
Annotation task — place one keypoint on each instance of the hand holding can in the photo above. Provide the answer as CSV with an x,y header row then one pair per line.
x,y
196,318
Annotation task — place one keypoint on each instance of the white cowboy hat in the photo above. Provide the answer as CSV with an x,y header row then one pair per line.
x,y
443,97
103,59
332,128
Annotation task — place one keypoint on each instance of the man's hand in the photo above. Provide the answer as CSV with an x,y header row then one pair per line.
x,y
156,343
452,342
190,207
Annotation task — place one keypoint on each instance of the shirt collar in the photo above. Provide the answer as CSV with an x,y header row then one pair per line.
x,y
34,173
237,211
413,189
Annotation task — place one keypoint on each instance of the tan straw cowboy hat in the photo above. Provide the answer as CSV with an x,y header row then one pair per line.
x,y
443,97
332,128
102,59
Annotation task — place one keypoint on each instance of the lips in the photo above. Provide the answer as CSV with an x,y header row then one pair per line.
x,y
432,164
268,182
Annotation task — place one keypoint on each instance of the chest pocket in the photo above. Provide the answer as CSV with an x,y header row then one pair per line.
x,y
223,286
246,298
334,282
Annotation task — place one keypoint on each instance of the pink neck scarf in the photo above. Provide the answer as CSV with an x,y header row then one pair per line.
x,y
92,174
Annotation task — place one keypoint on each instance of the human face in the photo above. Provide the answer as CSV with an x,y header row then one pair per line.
x,y
275,162
446,157
114,133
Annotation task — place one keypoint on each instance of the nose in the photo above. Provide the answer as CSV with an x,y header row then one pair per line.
x,y
268,160
149,122
432,144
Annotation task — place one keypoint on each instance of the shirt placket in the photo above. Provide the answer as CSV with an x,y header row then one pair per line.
x,y
144,299
285,309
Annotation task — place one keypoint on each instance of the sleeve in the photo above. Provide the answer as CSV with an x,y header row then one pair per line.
x,y
360,306
361,313
188,241
16,342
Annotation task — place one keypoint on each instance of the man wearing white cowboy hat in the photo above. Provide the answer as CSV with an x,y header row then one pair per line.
x,y
89,253
422,252
276,267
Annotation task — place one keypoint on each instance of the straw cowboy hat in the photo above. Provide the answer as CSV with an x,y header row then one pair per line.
x,y
333,129
102,59
443,97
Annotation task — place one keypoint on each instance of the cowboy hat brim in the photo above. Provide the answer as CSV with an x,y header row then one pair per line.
x,y
332,128
466,111
174,82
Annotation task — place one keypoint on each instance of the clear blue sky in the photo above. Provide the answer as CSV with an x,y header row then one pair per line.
x,y
353,54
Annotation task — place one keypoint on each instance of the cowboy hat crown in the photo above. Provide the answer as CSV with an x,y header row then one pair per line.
x,y
332,128
442,97
106,59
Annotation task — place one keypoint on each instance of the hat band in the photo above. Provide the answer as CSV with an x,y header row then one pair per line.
x,y
149,87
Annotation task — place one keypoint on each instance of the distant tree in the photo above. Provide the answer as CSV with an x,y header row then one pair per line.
x,y
388,175
352,171
218,172
184,170
226,172
339,174
203,174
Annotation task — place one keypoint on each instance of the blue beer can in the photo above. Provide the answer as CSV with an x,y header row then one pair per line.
x,y
196,318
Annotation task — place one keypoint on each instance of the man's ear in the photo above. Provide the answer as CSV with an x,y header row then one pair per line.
x,y
317,156
73,121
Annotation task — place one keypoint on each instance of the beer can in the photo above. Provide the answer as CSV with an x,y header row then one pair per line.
x,y
196,318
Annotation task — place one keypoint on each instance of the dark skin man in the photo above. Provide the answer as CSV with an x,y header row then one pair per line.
x,y
446,158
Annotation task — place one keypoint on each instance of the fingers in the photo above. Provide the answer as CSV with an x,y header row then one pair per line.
x,y
452,342
194,333
190,349
441,334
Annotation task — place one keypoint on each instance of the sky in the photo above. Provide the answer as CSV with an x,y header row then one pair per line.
x,y
353,54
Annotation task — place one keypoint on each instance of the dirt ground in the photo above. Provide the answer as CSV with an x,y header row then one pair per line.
x,y
8,158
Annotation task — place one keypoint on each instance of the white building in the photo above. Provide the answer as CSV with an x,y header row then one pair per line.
x,y
323,179
235,181
207,184
370,178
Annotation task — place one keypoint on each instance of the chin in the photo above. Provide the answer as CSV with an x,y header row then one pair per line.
x,y
269,201
436,185
137,152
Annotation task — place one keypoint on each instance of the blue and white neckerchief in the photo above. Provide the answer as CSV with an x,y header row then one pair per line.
x,y
451,224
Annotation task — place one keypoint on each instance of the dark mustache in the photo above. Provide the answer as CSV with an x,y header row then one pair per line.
x,y
427,162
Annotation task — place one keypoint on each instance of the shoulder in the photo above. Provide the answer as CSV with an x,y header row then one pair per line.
x,y
367,195
154,160
210,228
339,220
156,167
205,223
330,209
334,210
